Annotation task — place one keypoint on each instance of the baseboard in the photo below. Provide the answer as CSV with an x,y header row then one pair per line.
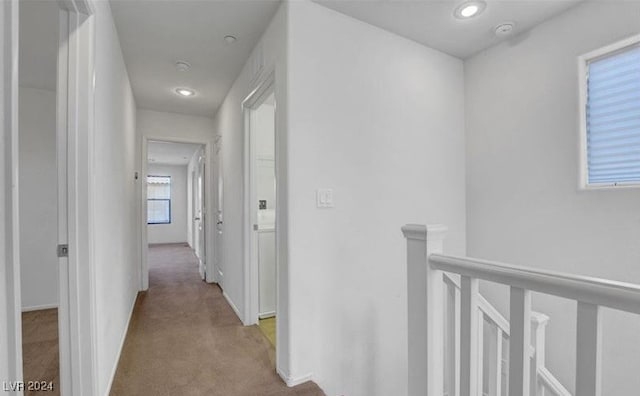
x,y
294,381
233,306
39,307
124,337
266,315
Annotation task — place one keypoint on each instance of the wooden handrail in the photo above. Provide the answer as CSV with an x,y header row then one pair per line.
x,y
613,294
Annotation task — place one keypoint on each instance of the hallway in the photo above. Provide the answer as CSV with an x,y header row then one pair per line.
x,y
185,339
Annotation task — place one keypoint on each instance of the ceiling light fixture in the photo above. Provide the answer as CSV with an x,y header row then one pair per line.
x,y
504,29
469,9
230,39
183,66
185,92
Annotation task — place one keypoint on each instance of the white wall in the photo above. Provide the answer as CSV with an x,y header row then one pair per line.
x,y
177,230
523,205
160,125
229,126
379,119
116,200
38,199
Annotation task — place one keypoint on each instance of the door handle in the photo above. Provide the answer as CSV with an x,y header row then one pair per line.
x,y
219,223
196,218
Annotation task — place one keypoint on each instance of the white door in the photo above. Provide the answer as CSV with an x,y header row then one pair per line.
x,y
194,213
200,217
218,192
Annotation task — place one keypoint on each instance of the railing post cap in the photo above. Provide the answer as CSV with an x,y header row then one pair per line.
x,y
539,319
422,232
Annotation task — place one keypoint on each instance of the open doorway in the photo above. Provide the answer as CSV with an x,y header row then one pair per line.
x,y
38,186
175,199
51,124
260,113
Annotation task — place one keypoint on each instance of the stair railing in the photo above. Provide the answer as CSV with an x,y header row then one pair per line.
x,y
426,266
492,371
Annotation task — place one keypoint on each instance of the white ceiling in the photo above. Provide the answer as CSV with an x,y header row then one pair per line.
x,y
156,34
431,22
168,153
38,44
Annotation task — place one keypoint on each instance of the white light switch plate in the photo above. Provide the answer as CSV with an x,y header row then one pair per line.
x,y
324,198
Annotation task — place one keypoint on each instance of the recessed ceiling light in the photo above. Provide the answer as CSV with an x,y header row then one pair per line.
x,y
183,66
469,9
230,39
504,29
185,92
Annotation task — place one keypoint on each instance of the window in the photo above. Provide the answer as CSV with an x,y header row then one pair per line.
x,y
610,115
158,199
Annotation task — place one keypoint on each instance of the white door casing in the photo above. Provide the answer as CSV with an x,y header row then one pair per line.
x,y
10,304
250,212
207,192
75,98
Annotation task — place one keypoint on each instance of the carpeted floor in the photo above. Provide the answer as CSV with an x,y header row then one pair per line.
x,y
40,349
184,339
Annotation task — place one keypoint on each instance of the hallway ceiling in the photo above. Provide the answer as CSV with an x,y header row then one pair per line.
x,y
431,22
156,34
169,153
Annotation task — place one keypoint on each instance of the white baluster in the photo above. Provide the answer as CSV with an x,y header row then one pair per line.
x,y
480,384
538,329
498,363
588,350
519,341
425,311
469,336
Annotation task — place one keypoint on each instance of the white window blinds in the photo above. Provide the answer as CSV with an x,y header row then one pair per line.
x,y
158,199
613,117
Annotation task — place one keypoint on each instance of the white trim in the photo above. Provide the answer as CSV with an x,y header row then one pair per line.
x,y
10,299
250,213
77,305
39,307
266,315
583,61
233,306
124,338
209,204
294,381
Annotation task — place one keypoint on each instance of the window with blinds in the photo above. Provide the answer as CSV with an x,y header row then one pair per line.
x,y
611,124
158,199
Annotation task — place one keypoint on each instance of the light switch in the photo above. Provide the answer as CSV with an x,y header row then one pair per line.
x,y
324,198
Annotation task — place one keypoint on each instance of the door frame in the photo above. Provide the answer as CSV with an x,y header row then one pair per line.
x,y
208,149
250,212
10,301
75,129
75,102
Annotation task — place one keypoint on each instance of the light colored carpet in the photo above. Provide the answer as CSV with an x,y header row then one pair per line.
x,y
40,349
184,339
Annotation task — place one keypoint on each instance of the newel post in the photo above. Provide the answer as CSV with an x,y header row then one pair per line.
x,y
425,310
